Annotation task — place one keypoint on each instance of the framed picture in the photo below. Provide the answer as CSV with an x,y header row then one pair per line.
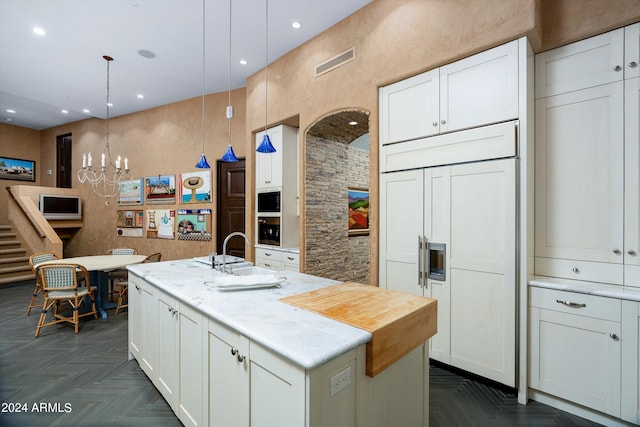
x,y
130,192
358,211
17,169
160,189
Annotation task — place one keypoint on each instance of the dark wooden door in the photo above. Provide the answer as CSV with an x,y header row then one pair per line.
x,y
230,206
63,161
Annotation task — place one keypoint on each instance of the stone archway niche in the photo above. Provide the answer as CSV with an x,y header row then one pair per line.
x,y
336,159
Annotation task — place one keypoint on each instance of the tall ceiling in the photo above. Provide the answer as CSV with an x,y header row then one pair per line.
x,y
158,48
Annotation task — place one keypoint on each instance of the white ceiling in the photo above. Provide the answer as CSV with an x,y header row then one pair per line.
x,y
64,69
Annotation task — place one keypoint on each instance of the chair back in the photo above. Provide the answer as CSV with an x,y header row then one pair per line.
x,y
57,277
40,257
122,251
153,258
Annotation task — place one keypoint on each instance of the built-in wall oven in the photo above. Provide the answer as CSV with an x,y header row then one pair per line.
x,y
269,202
269,230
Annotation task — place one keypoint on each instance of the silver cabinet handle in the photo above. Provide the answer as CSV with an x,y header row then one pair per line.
x,y
571,304
575,270
235,352
617,251
614,337
138,287
633,64
267,254
290,258
443,122
631,252
425,261
617,68
435,123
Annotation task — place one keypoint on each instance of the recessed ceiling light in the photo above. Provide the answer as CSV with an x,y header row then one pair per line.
x,y
296,25
39,31
86,111
140,96
243,62
64,111
353,123
9,110
109,104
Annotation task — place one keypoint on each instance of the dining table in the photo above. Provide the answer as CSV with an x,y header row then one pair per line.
x,y
99,267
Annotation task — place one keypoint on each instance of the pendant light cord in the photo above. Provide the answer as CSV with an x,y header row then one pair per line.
x,y
229,115
108,149
203,68
266,64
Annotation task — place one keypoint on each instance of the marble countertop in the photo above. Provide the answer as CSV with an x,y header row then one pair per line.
x,y
591,288
307,339
278,248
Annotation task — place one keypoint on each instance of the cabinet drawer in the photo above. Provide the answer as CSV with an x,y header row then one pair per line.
x,y
270,254
579,270
290,258
576,303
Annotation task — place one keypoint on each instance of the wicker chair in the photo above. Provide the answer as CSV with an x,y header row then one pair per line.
x,y
34,261
123,287
60,283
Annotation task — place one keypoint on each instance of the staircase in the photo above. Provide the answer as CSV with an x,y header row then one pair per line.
x,y
14,261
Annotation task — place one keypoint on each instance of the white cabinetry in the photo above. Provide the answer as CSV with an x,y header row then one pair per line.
x,y
440,100
277,259
278,169
630,405
575,348
252,386
587,160
471,209
167,339
142,324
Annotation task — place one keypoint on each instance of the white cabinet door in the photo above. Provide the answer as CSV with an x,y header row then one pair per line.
x,y
437,226
630,405
574,357
167,374
143,331
410,109
135,326
632,182
401,230
632,51
193,384
277,390
483,269
481,89
269,165
228,377
579,176
588,63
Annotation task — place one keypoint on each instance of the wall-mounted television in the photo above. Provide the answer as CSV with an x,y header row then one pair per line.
x,y
55,206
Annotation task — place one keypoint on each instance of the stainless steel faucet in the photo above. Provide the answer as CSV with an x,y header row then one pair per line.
x,y
224,247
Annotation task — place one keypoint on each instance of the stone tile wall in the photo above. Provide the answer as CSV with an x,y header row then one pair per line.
x,y
331,168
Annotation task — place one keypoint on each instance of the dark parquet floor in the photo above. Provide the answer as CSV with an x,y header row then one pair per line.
x,y
63,379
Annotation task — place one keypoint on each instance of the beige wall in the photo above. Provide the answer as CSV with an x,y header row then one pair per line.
x,y
394,39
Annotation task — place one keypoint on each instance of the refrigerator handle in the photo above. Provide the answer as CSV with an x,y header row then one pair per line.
x,y
425,260
420,259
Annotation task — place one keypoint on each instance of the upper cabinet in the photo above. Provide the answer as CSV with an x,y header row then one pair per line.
x,y
587,160
278,169
478,90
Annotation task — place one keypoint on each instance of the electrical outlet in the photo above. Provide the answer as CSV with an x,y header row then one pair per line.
x,y
340,380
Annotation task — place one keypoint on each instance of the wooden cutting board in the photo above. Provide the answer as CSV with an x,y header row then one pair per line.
x,y
398,322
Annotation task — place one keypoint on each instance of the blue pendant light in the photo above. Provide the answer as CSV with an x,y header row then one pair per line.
x,y
202,163
229,156
265,145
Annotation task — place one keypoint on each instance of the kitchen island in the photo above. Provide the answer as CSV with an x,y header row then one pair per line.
x,y
246,358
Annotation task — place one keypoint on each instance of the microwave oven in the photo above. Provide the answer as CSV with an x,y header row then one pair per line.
x,y
269,202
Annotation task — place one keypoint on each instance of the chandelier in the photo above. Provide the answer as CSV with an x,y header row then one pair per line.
x,y
105,181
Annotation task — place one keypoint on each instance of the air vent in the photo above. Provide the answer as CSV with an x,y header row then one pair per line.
x,y
336,61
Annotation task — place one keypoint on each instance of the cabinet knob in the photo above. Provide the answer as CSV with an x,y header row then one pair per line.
x,y
614,337
138,287
575,270
240,358
617,68
632,252
617,251
443,122
435,123
233,351
633,64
